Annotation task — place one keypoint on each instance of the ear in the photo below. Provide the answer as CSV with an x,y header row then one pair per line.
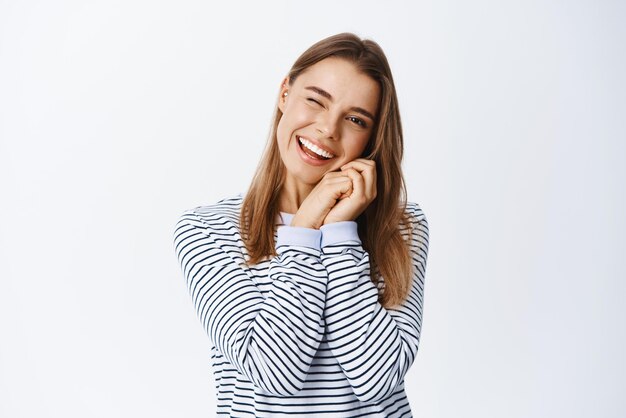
x,y
282,97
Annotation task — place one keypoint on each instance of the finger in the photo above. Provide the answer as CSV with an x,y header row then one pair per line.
x,y
345,189
335,176
360,163
367,168
327,178
332,174
358,183
335,179
339,187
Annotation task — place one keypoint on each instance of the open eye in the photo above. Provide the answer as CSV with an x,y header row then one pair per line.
x,y
358,121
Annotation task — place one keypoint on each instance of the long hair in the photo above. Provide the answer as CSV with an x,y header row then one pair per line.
x,y
390,260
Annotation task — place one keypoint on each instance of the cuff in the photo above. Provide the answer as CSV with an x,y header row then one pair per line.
x,y
339,232
298,236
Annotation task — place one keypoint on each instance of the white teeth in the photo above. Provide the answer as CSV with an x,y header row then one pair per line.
x,y
315,148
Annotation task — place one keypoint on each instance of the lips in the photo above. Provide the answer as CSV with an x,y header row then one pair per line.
x,y
309,157
314,147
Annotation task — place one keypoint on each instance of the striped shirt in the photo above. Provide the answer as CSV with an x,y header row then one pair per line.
x,y
301,333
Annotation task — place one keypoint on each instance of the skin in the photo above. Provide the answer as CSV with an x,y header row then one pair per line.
x,y
341,189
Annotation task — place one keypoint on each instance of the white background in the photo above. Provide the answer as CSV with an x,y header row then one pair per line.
x,y
115,116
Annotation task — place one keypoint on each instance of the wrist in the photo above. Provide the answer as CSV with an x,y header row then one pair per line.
x,y
295,221
330,220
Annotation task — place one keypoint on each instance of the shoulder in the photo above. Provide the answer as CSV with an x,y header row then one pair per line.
x,y
220,218
418,224
414,212
416,216
224,211
219,221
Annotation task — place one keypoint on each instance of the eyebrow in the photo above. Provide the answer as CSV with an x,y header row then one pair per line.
x,y
327,95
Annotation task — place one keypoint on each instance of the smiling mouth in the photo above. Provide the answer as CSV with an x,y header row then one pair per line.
x,y
313,150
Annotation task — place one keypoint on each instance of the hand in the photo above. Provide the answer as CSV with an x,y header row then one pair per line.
x,y
362,172
312,212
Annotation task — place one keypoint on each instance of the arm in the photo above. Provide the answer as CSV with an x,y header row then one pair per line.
x,y
270,340
374,346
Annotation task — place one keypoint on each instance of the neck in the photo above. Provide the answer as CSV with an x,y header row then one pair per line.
x,y
293,194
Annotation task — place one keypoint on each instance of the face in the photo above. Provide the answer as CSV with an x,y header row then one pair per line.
x,y
329,109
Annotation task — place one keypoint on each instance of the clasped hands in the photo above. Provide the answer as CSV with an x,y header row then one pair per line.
x,y
339,196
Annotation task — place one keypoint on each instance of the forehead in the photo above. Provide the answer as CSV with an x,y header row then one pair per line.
x,y
342,79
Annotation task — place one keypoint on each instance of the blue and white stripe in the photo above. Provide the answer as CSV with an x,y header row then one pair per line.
x,y
302,333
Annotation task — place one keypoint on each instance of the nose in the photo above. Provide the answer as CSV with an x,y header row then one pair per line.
x,y
328,126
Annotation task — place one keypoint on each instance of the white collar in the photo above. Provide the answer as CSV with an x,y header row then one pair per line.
x,y
286,218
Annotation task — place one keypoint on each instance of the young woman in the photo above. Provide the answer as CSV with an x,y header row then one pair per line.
x,y
310,287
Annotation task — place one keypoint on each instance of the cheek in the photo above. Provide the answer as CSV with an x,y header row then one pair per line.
x,y
283,129
296,116
282,140
280,129
357,147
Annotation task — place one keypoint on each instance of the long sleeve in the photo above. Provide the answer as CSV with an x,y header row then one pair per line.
x,y
375,346
271,339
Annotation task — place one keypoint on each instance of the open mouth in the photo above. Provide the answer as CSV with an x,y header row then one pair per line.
x,y
313,150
